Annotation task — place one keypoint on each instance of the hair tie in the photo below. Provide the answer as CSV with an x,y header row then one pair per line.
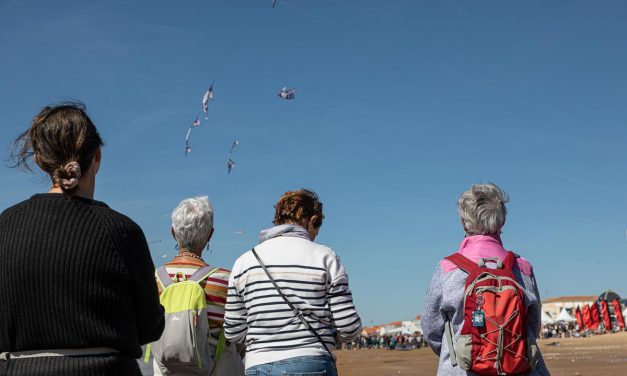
x,y
73,172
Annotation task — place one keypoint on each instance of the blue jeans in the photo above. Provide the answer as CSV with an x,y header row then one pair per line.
x,y
320,365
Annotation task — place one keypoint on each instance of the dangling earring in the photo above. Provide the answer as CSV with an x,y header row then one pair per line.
x,y
208,248
176,247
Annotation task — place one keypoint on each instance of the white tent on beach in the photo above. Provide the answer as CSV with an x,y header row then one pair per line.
x,y
564,316
546,319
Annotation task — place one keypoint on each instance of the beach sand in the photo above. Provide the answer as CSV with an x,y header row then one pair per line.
x,y
604,355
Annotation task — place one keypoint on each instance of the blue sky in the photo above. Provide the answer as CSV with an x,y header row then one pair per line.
x,y
401,106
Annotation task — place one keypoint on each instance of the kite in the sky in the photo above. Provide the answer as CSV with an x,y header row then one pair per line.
x,y
231,163
286,93
235,143
274,3
187,147
205,100
195,123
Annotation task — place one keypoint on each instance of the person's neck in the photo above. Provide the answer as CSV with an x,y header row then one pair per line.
x,y
85,189
189,256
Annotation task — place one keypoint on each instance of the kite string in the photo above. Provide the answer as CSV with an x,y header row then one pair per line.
x,y
384,21
341,26
324,102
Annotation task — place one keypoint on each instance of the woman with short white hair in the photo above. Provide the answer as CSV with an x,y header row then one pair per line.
x,y
482,209
192,228
482,212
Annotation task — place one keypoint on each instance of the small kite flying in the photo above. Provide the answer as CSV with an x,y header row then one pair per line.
x,y
187,147
274,3
205,100
286,93
231,163
195,123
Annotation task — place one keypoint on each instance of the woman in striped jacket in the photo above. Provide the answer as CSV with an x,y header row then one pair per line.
x,y
313,287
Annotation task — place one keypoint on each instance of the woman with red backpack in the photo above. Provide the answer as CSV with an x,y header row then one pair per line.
x,y
482,311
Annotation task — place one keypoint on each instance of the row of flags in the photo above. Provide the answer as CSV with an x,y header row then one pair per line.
x,y
591,317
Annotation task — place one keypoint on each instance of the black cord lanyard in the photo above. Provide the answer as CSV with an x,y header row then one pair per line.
x,y
296,311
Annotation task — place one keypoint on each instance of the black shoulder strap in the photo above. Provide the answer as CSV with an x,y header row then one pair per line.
x,y
296,311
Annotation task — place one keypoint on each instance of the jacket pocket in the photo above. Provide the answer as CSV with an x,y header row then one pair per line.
x,y
463,351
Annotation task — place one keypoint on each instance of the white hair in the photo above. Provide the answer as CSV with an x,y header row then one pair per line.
x,y
482,209
192,221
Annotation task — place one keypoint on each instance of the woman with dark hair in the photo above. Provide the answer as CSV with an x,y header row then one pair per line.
x,y
289,299
77,291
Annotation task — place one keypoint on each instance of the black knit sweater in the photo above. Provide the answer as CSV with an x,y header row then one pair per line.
x,y
74,274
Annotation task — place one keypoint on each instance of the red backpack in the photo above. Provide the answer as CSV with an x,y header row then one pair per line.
x,y
493,339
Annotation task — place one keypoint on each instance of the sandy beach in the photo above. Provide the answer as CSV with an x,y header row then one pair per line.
x,y
604,355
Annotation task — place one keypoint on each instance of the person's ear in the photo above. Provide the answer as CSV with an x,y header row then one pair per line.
x,y
172,231
210,235
95,161
312,222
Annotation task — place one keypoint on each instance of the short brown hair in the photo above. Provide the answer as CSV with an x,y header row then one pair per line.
x,y
58,135
294,206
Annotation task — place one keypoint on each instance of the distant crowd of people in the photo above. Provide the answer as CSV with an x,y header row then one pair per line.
x,y
80,295
386,342
568,330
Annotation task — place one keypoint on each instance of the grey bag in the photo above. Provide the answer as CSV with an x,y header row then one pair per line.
x,y
184,344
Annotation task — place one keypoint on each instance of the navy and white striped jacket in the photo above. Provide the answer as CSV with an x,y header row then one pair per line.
x,y
313,279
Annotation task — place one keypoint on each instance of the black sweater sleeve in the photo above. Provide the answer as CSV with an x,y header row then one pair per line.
x,y
149,314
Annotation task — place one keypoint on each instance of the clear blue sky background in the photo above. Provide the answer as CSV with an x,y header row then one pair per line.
x,y
401,105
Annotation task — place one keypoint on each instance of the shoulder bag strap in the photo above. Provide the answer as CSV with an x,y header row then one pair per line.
x,y
296,311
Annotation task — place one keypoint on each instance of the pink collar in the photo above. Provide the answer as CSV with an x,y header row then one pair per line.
x,y
484,246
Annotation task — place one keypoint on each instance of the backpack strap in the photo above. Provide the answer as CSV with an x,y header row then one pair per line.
x,y
164,277
202,273
462,262
510,261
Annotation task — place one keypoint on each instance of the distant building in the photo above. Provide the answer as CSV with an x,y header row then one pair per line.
x,y
553,306
393,328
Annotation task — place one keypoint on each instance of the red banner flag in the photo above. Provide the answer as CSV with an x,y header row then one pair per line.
x,y
618,314
579,317
596,316
606,316
587,320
